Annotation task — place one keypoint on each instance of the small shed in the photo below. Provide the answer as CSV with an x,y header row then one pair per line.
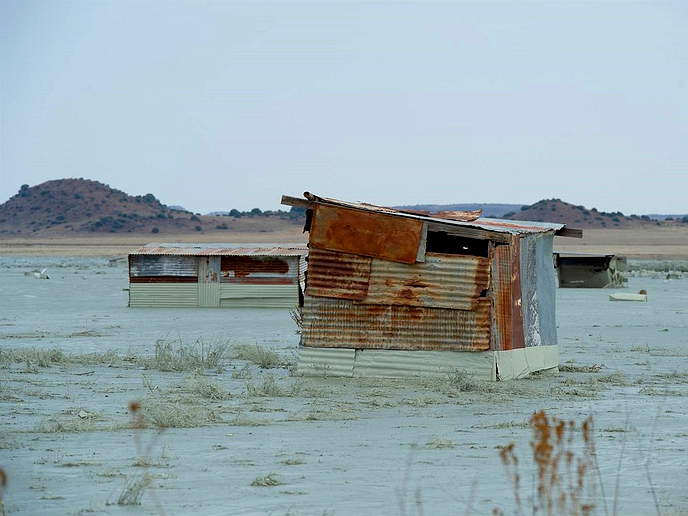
x,y
581,270
217,275
394,293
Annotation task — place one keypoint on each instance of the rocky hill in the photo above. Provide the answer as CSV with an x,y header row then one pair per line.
x,y
81,206
558,211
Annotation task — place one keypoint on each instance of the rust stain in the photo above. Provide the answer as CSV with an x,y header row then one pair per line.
x,y
502,286
338,275
243,266
376,235
442,281
517,333
163,279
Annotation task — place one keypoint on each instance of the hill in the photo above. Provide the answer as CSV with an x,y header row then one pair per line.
x,y
65,207
558,211
81,207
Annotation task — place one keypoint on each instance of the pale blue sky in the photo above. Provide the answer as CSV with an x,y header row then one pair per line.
x,y
227,104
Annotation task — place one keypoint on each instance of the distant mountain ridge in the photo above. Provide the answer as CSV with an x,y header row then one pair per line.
x,y
80,206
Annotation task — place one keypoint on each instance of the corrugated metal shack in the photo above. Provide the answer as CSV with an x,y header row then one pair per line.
x,y
581,270
217,275
395,293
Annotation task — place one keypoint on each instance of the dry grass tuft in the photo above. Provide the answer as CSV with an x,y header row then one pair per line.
x,y
164,414
564,486
203,387
438,443
255,354
134,489
72,421
176,356
269,480
270,388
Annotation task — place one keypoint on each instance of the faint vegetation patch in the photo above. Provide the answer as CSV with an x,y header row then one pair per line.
x,y
570,368
134,489
437,443
614,429
295,461
244,373
271,388
255,354
164,414
504,425
268,480
242,420
176,356
206,388
77,420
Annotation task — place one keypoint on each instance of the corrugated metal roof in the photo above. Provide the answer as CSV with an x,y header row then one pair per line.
x,y
219,249
514,227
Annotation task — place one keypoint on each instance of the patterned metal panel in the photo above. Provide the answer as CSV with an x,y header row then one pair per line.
x,y
442,281
162,266
332,323
366,233
340,275
163,295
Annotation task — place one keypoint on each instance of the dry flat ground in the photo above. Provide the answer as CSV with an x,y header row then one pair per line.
x,y
224,425
651,242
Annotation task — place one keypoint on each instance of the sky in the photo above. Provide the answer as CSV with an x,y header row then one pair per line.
x,y
214,105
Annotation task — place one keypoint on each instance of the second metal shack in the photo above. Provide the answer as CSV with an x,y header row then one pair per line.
x,y
395,293
217,275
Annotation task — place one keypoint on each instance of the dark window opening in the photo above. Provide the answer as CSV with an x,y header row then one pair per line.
x,y
453,244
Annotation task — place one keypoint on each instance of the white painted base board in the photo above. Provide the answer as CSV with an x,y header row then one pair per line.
x,y
380,363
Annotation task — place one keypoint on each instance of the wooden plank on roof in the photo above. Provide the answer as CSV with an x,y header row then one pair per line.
x,y
364,233
470,232
570,232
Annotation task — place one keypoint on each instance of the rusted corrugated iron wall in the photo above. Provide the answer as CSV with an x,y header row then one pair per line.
x,y
342,323
163,269
337,275
370,303
507,321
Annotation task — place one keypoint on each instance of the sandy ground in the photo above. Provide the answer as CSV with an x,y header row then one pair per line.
x,y
252,440
652,242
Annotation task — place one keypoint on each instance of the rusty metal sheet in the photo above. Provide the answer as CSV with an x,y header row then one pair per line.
x,y
446,219
194,249
257,270
162,266
442,281
340,275
341,323
366,233
507,331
